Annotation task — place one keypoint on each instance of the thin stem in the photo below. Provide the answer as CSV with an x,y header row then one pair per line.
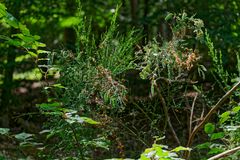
x,y
206,118
226,153
191,116
77,142
165,109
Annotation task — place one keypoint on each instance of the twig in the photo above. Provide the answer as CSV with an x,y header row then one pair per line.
x,y
167,116
141,140
79,146
191,115
224,154
206,118
184,81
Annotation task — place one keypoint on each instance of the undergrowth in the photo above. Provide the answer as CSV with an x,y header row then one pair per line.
x,y
93,111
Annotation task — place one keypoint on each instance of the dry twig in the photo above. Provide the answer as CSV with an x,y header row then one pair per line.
x,y
191,116
209,114
167,116
226,153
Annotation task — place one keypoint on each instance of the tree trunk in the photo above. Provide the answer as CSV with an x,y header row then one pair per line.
x,y
134,6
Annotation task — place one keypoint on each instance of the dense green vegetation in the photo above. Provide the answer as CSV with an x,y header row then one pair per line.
x,y
120,79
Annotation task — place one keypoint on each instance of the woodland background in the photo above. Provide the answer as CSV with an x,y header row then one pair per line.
x,y
105,79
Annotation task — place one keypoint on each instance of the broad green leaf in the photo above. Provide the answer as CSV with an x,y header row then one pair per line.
x,y
2,7
12,21
24,29
143,157
169,16
70,21
22,58
45,105
50,106
42,51
16,43
58,85
180,148
145,72
236,109
89,120
23,136
29,144
32,54
3,11
215,151
217,135
4,131
40,44
204,145
27,39
209,128
36,37
196,89
224,116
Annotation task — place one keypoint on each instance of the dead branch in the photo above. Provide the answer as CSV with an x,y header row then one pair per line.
x,y
226,153
191,116
167,116
209,114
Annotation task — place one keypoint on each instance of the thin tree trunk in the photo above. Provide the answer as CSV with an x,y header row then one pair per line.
x,y
145,25
134,6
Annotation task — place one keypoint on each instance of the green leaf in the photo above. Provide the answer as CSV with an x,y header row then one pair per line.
x,y
236,109
152,88
196,89
89,120
40,44
2,7
36,37
27,39
58,85
215,151
145,72
204,145
169,16
209,128
13,42
217,135
12,21
23,136
4,131
24,29
3,11
45,105
50,106
43,51
180,148
29,144
32,54
70,21
143,157
224,116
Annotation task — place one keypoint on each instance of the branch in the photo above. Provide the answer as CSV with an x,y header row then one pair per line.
x,y
167,116
226,153
191,116
210,113
184,81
